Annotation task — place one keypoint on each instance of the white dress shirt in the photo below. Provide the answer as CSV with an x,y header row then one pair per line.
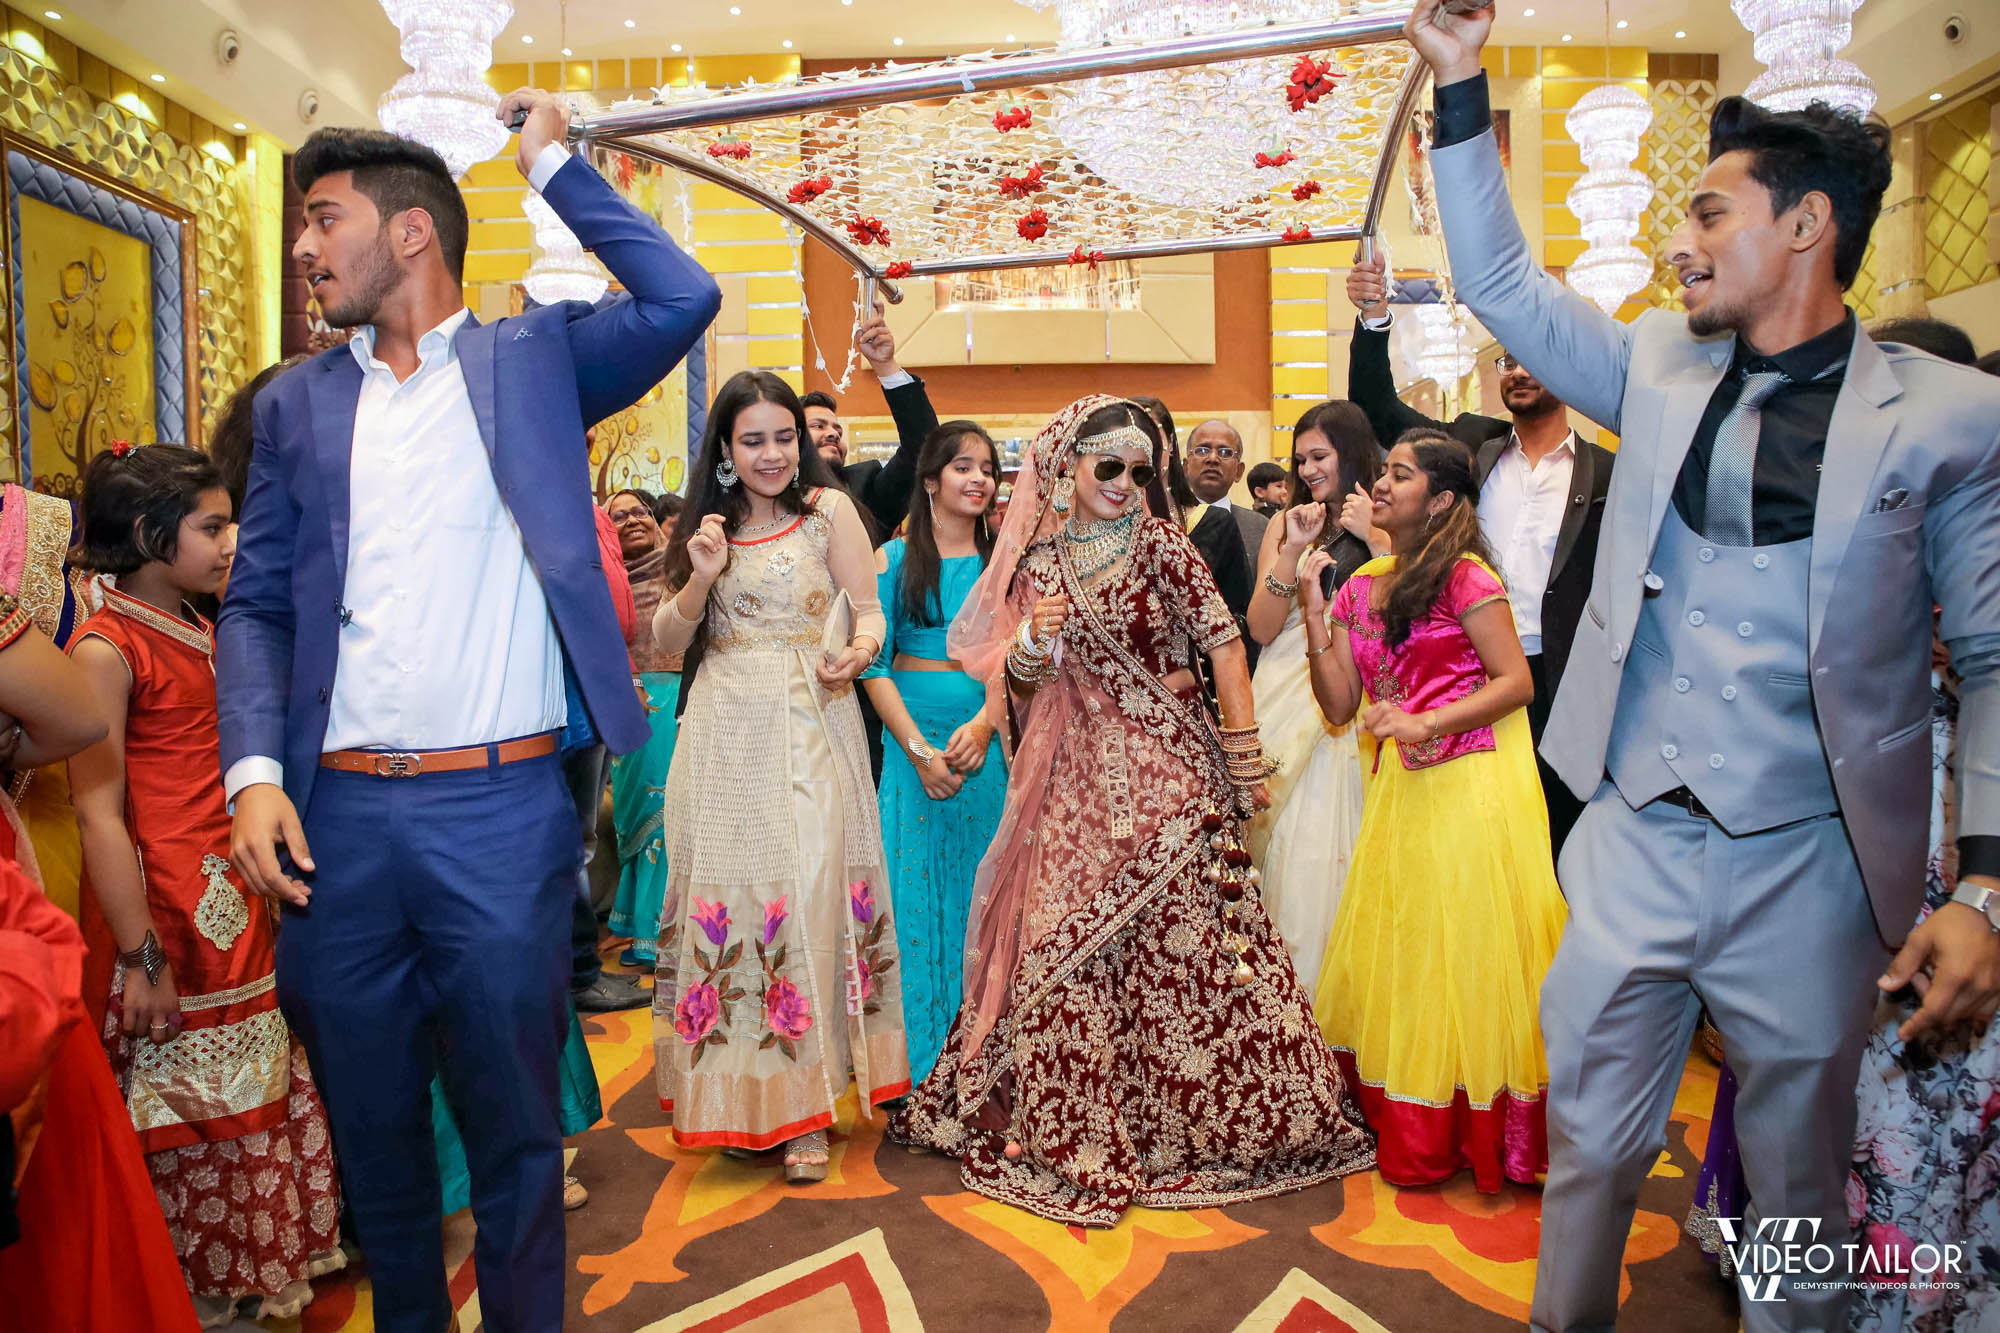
x,y
1521,509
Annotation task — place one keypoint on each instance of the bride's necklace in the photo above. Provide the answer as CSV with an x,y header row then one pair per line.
x,y
1095,545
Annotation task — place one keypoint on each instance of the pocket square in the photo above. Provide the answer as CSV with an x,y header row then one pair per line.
x,y
1895,499
523,333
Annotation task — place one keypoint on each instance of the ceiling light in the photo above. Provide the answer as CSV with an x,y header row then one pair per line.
x,y
1680,34
568,52
736,11
1937,97
240,126
631,23
1565,36
1623,24
1011,37
159,78
1527,13
846,2
51,14
677,48
895,41
527,40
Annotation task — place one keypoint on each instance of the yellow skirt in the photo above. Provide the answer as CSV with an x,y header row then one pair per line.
x,y
1430,989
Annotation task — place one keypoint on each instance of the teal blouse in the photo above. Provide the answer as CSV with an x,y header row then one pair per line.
x,y
956,576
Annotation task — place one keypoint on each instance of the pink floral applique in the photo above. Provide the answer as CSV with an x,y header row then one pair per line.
x,y
774,917
861,899
713,918
786,1010
696,1014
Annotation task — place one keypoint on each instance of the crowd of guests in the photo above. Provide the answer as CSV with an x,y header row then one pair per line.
x,y
1089,825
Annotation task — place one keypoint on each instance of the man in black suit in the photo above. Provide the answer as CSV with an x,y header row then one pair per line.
x,y
1541,499
882,487
1214,466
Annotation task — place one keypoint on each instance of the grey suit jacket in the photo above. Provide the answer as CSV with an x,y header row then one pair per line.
x,y
1251,524
1908,516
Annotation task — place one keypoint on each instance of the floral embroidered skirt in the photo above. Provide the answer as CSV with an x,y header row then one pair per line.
x,y
772,991
1147,1078
1431,990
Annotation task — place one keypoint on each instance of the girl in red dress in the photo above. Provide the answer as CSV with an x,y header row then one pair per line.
x,y
180,972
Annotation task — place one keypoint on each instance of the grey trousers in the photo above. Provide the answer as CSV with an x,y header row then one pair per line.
x,y
1773,931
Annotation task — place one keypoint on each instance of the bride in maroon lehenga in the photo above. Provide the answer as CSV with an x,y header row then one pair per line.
x,y
1129,1034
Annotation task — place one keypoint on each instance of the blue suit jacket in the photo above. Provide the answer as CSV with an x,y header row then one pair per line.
x,y
535,381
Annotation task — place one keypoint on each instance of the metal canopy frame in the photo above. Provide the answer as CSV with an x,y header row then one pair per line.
x,y
622,129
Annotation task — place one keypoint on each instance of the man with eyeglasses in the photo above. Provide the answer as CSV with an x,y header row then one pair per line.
x,y
1214,465
1541,500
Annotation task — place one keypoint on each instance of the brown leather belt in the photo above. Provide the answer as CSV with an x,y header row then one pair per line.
x,y
410,763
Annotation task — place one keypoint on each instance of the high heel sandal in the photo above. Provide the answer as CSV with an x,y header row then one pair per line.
x,y
807,1173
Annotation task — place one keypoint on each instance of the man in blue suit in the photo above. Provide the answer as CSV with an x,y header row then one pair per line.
x,y
418,611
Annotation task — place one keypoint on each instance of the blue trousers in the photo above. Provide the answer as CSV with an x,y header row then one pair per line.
x,y
438,923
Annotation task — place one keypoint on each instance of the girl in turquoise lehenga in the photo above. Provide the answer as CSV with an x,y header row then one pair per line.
x,y
941,800
638,780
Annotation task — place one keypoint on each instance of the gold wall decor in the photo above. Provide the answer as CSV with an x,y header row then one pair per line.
x,y
88,316
75,107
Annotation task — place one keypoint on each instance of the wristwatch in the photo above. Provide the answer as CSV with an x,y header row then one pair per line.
x,y
1982,899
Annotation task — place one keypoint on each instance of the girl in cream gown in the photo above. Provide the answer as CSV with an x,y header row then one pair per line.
x,y
1303,842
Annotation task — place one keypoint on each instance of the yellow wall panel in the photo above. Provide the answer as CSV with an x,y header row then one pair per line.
x,y
1561,156
492,173
1298,347
707,197
1311,381
501,267
763,289
742,224
1588,62
1561,252
501,205
514,234
642,73
741,258
771,321
770,352
1298,286
506,78
1290,317
717,71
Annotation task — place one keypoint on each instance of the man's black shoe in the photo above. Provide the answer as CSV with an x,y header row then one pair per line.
x,y
610,993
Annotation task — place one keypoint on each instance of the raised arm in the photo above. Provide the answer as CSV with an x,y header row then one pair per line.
x,y
887,493
1371,382
1580,353
628,346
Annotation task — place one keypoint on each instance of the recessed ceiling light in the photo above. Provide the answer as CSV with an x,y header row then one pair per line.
x,y
1011,37
568,52
51,14
1565,36
736,11
240,126
631,23
159,78
527,39
1623,24
846,2
787,43
677,48
1680,34
1527,13
895,41
1937,97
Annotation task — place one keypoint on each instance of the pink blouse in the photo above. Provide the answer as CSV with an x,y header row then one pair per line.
x,y
1434,667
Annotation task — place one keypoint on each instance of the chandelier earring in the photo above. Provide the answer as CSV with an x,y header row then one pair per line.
x,y
725,473
1065,490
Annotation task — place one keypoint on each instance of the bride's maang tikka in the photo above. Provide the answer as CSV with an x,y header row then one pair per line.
x,y
1126,436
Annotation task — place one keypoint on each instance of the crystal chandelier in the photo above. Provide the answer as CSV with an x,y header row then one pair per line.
x,y
1608,198
1443,355
1186,136
1799,42
562,271
444,101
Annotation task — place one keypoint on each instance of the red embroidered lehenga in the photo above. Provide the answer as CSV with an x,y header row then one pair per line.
x,y
236,1140
1100,1031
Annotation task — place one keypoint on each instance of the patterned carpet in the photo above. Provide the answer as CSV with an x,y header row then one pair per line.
x,y
693,1242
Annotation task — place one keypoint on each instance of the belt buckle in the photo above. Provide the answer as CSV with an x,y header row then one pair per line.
x,y
398,765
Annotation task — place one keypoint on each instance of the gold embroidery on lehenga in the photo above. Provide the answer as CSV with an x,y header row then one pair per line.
x,y
49,521
221,916
208,1073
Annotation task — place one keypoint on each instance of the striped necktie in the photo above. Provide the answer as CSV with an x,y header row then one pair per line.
x,y
1733,460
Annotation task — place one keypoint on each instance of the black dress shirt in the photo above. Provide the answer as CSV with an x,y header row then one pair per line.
x,y
1791,435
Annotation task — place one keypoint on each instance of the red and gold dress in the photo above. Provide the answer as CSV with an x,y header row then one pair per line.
x,y
235,1137
1101,1035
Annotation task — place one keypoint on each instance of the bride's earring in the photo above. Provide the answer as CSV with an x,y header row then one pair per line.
x,y
725,473
1064,490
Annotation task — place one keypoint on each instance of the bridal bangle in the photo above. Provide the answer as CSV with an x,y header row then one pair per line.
x,y
1287,591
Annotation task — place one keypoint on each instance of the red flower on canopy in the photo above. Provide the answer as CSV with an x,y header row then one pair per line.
x,y
1311,80
1305,190
899,269
1020,187
809,189
1298,233
1033,225
1093,258
1012,117
120,448
1277,159
622,170
738,148
870,230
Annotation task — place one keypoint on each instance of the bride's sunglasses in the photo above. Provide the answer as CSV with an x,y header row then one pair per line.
x,y
1108,468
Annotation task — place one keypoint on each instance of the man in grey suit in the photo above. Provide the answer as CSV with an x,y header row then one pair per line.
x,y
1746,705
1215,463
